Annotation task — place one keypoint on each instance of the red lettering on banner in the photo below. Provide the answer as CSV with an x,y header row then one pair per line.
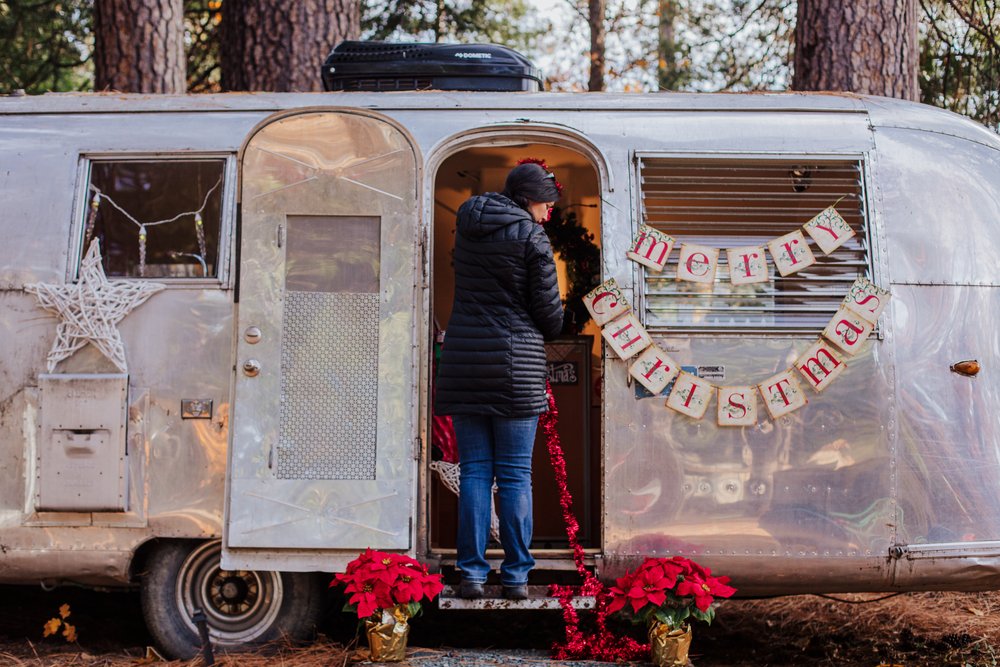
x,y
788,248
600,296
829,230
780,390
807,366
659,362
652,246
846,334
741,406
624,329
868,298
694,388
746,263
703,261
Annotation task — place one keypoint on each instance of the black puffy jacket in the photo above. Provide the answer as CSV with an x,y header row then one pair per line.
x,y
506,302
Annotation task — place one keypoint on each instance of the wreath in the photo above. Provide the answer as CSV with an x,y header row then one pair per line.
x,y
577,249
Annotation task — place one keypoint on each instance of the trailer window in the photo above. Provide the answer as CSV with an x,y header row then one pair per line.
x,y
728,203
155,218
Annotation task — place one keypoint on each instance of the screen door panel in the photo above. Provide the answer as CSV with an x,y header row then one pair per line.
x,y
324,416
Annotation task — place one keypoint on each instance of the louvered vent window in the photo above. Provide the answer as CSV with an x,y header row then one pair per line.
x,y
725,203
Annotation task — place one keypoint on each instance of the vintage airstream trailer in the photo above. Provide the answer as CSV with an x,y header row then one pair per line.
x,y
270,404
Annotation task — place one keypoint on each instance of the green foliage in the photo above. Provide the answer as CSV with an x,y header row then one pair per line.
x,y
46,45
577,249
675,612
960,57
730,45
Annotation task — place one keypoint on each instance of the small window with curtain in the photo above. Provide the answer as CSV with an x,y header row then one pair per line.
x,y
155,217
732,203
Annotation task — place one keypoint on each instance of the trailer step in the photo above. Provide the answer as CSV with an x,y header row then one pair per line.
x,y
538,598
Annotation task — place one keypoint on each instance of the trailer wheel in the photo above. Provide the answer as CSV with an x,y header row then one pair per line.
x,y
244,608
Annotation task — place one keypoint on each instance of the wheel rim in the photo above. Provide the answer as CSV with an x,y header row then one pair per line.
x,y
240,605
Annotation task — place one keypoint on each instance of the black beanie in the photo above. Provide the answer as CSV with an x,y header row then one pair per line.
x,y
530,182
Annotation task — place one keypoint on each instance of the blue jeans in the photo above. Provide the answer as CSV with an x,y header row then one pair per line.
x,y
500,448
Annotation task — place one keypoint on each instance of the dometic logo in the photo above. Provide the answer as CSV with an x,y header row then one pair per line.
x,y
480,56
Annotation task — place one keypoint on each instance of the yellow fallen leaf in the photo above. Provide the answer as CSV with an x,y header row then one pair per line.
x,y
64,611
69,632
52,626
977,612
150,657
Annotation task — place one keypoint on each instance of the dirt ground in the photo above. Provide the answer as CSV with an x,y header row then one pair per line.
x,y
865,630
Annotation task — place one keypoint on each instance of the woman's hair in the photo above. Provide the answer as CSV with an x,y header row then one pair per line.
x,y
530,182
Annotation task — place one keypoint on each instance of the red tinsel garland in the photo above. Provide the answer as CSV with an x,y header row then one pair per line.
x,y
603,644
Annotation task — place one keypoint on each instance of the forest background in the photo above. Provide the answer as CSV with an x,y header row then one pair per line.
x,y
203,46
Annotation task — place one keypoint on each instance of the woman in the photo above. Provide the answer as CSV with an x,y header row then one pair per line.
x,y
491,378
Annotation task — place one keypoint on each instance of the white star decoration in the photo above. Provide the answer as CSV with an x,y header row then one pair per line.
x,y
91,309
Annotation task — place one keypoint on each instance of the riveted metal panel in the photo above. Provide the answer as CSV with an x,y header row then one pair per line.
x,y
81,451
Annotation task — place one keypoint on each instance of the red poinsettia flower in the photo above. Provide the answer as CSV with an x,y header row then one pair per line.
x,y
379,580
648,586
669,589
432,585
705,590
618,592
408,588
370,597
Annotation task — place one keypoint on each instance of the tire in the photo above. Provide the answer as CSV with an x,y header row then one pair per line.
x,y
244,608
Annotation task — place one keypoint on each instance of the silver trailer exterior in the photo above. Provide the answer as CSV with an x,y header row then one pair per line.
x,y
889,480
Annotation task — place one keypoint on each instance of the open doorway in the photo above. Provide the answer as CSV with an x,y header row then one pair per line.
x,y
574,360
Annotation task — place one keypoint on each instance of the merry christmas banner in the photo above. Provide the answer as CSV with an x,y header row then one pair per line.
x,y
817,367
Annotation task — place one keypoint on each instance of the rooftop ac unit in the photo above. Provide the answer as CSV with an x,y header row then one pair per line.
x,y
383,66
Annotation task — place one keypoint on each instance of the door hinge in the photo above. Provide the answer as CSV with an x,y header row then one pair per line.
x,y
422,242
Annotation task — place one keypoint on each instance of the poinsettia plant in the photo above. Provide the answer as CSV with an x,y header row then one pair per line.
x,y
669,590
378,580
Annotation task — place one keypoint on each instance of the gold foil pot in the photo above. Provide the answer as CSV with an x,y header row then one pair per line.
x,y
669,646
387,637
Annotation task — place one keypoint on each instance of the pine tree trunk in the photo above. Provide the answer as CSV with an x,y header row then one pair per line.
x,y
139,46
666,71
281,46
597,31
863,46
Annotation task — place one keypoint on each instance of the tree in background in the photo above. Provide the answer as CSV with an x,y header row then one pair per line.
x,y
501,21
865,46
280,46
595,20
139,46
698,45
46,45
671,59
201,27
960,58
728,45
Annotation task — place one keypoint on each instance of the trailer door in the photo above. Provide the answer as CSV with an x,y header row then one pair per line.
x,y
323,449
